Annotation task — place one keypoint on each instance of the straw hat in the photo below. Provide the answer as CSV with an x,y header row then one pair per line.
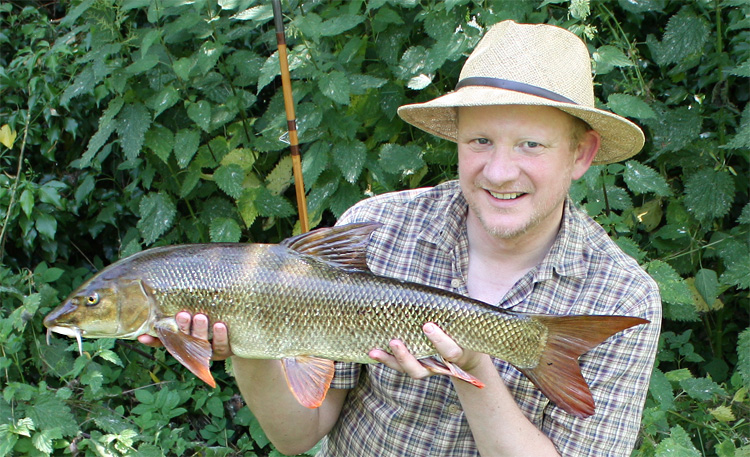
x,y
525,64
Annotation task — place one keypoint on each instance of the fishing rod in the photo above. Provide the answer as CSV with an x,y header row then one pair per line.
x,y
291,118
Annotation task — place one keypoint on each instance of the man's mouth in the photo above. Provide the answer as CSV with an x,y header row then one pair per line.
x,y
506,195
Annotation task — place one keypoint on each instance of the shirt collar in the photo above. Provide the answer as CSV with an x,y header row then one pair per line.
x,y
566,256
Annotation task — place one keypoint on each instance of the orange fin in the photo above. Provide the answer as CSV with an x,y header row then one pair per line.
x,y
308,378
343,246
558,374
190,351
442,366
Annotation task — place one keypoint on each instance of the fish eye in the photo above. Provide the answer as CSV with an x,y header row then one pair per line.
x,y
92,300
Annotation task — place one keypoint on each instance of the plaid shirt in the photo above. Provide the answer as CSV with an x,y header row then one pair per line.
x,y
423,239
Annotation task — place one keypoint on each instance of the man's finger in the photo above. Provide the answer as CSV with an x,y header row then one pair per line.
x,y
444,344
200,326
220,342
183,319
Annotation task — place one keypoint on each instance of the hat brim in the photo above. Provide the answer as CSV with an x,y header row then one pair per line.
x,y
620,137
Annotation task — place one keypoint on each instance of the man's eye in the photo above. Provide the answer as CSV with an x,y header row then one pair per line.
x,y
482,141
532,144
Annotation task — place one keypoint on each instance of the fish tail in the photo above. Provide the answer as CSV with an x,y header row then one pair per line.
x,y
558,374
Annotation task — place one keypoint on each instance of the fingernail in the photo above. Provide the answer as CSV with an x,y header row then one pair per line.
x,y
429,327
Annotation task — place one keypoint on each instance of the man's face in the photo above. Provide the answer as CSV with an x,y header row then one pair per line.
x,y
515,166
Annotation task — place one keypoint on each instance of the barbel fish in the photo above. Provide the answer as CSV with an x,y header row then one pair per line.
x,y
311,300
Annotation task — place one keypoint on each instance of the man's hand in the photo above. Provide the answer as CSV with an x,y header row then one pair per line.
x,y
198,327
402,360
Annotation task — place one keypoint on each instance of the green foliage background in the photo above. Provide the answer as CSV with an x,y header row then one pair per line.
x,y
133,123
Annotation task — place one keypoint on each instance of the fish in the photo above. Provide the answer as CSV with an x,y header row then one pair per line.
x,y
312,300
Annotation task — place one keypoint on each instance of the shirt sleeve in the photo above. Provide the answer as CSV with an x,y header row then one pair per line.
x,y
618,373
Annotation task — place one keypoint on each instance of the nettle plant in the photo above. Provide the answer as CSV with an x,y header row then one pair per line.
x,y
126,124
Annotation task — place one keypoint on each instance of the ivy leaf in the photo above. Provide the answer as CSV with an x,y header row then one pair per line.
x,y
229,178
158,212
270,205
709,194
350,158
642,179
200,113
132,124
185,145
335,85
225,230
630,106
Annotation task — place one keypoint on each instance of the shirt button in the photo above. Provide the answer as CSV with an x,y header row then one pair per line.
x,y
454,409
455,283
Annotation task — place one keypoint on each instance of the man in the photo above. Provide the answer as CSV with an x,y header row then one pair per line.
x,y
524,120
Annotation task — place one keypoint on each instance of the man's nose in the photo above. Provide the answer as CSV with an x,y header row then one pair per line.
x,y
501,166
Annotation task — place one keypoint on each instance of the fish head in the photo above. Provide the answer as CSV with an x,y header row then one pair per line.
x,y
104,308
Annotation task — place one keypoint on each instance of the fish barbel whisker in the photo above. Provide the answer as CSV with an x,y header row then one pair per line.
x,y
68,331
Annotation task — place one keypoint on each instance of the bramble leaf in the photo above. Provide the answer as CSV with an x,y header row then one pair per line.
x,y
132,124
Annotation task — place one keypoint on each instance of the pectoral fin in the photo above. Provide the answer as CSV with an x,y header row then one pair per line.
x,y
308,378
442,366
194,353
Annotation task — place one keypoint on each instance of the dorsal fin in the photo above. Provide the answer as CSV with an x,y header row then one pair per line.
x,y
342,246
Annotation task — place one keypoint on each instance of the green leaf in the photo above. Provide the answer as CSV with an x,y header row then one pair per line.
x,y
46,225
229,178
132,124
702,389
335,85
50,412
677,444
259,14
110,356
350,157
709,194
684,37
208,55
26,200
158,212
707,283
185,145
661,389
314,162
673,291
630,106
83,83
674,130
608,57
340,24
279,179
395,158
270,205
642,179
107,125
160,140
743,357
225,230
163,100
200,113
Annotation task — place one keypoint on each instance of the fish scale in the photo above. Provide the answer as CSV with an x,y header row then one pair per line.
x,y
311,300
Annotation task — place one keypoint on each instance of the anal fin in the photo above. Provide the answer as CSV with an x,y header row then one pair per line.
x,y
194,353
309,378
441,366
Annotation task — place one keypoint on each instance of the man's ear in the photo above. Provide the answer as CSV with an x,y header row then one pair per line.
x,y
585,153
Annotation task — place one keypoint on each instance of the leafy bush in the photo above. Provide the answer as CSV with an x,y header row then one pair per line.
x,y
134,123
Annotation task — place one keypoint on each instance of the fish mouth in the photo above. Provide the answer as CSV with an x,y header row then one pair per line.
x,y
73,332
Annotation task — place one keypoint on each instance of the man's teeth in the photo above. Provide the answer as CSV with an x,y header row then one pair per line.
x,y
505,196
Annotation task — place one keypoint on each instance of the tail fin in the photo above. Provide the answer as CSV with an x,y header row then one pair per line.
x,y
557,374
